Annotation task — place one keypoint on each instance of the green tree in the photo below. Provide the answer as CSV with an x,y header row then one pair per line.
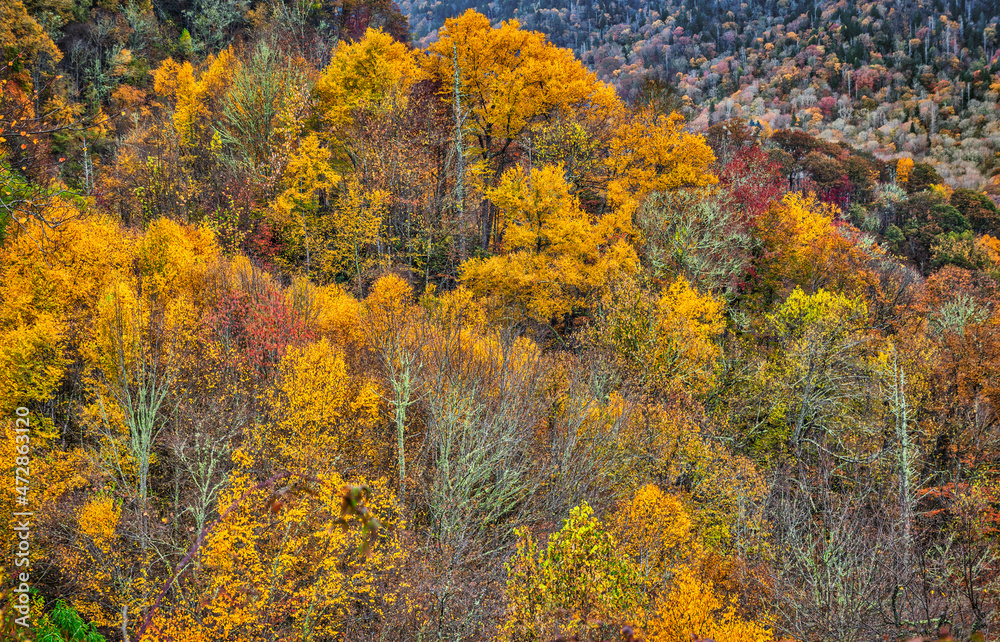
x,y
579,579
511,79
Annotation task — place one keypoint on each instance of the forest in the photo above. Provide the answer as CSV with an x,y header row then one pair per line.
x,y
910,79
344,320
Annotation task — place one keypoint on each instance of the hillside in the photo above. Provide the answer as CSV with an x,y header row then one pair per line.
x,y
314,331
910,79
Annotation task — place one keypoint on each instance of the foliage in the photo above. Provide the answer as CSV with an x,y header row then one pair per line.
x,y
694,606
977,208
512,79
651,154
261,89
903,168
374,73
525,79
665,341
308,178
195,99
325,415
259,554
577,580
255,327
100,556
696,234
806,249
656,531
319,332
754,180
556,258
357,222
62,624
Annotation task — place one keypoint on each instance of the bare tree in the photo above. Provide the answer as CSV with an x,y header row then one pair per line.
x,y
138,374
831,579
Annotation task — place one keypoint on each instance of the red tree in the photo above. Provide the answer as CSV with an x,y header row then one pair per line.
x,y
754,180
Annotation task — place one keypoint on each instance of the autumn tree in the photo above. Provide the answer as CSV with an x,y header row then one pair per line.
x,y
754,180
357,222
578,585
921,178
572,585
924,219
136,370
389,332
23,38
256,109
250,567
904,167
308,180
665,340
825,338
806,247
652,153
555,257
373,74
730,137
196,100
511,79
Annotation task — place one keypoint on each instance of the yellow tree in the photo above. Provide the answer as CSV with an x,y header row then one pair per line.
x,y
696,607
373,74
555,257
816,379
195,100
308,177
169,168
22,35
98,558
371,110
509,79
365,109
140,329
667,340
654,153
656,530
356,222
579,584
325,416
174,261
50,288
806,248
131,357
904,167
279,565
48,291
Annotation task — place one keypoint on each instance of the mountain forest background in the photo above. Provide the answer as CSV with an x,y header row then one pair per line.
x,y
349,320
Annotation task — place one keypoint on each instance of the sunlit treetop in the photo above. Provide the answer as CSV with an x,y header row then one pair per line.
x,y
510,78
374,73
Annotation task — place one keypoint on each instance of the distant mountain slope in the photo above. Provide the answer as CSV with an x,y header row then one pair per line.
x,y
916,78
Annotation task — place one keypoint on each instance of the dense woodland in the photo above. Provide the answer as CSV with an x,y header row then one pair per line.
x,y
652,327
910,79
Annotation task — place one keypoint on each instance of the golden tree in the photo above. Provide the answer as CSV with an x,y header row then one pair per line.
x,y
555,258
510,79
